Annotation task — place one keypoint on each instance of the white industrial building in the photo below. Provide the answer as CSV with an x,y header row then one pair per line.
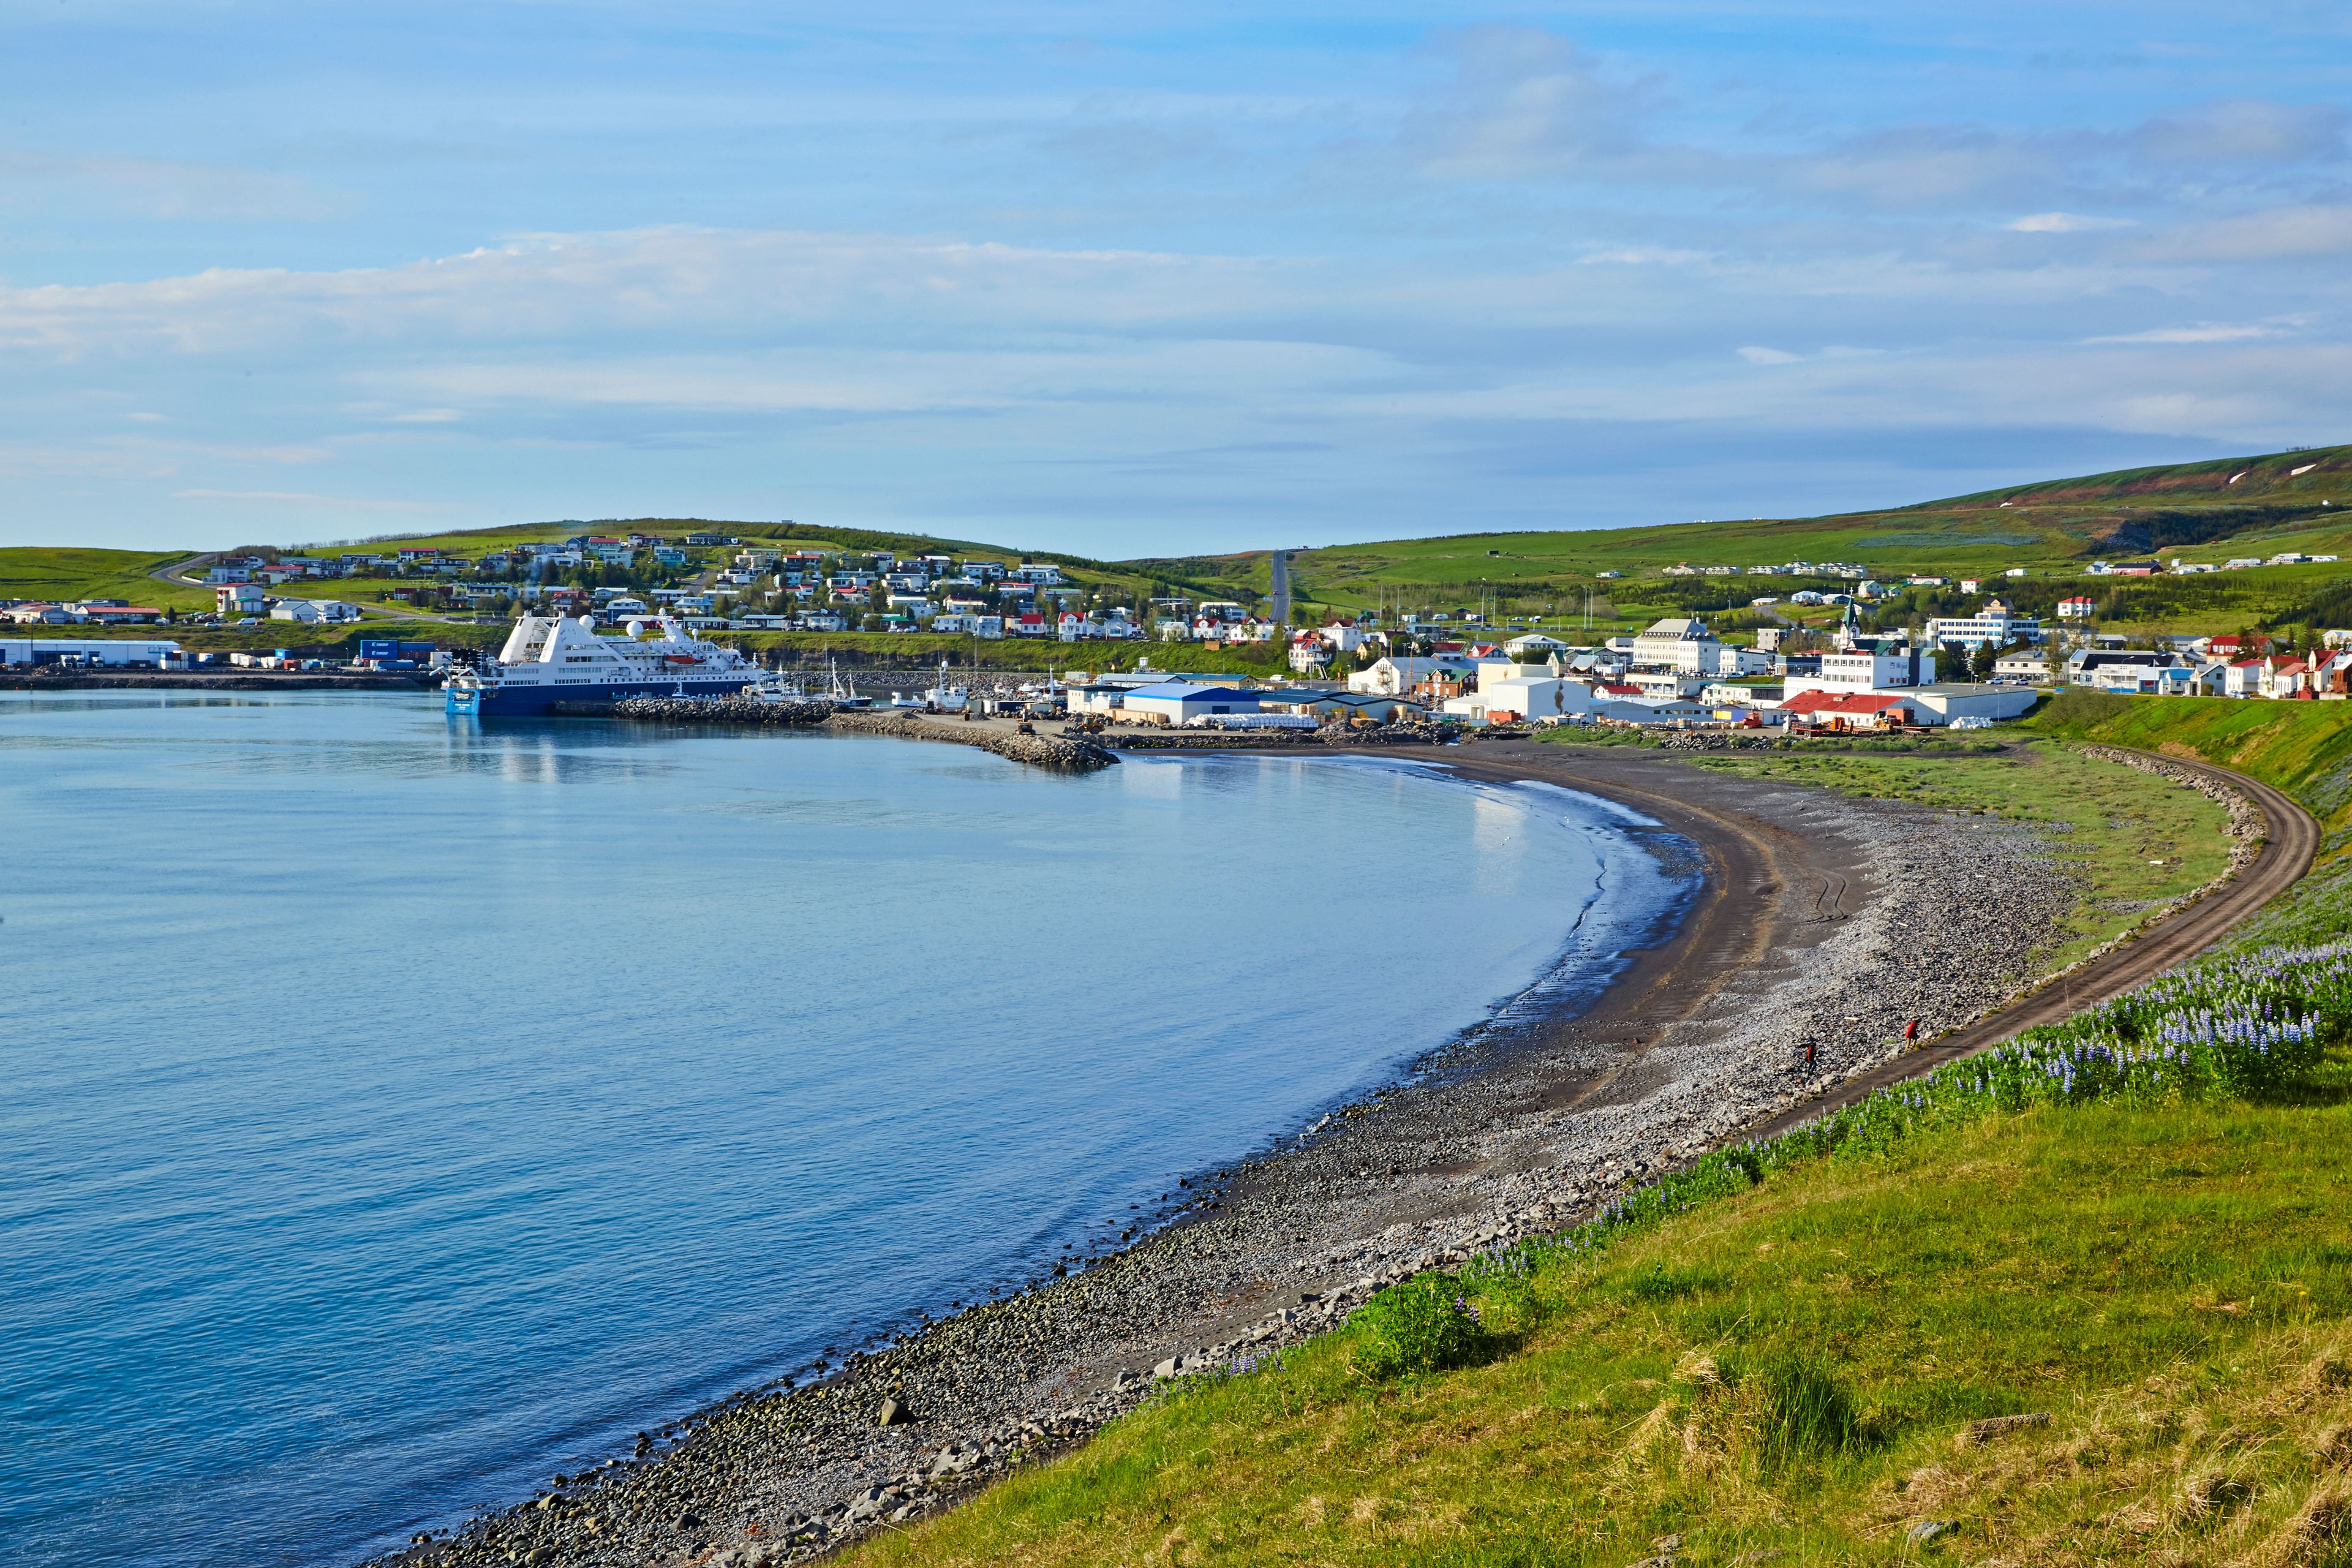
x,y
117,653
1996,624
1180,701
1880,670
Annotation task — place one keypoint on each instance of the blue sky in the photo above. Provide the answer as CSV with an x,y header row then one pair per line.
x,y
1133,277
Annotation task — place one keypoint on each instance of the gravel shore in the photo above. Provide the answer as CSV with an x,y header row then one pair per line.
x,y
1821,921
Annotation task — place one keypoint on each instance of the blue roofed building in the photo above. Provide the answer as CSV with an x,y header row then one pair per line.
x,y
1180,701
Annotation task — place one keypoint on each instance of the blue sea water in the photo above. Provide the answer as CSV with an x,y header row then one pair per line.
x,y
400,1111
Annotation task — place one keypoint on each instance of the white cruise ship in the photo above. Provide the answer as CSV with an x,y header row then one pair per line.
x,y
549,660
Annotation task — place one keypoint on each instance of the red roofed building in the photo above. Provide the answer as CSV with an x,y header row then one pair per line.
x,y
1854,710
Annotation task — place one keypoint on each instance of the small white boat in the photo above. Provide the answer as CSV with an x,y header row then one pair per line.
x,y
778,688
948,698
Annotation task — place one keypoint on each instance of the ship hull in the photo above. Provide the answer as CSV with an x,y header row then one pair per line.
x,y
535,700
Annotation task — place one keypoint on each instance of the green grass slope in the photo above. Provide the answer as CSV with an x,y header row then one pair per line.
x,y
2057,525
46,572
2053,526
1796,1370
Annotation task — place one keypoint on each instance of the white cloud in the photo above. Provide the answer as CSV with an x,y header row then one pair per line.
x,y
1523,101
1642,256
2064,223
2203,333
726,283
1755,355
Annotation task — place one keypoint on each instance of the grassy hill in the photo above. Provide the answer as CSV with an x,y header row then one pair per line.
x,y
2253,506
2056,526
46,572
1794,1373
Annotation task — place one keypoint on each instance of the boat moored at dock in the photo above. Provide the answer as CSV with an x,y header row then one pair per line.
x,y
549,660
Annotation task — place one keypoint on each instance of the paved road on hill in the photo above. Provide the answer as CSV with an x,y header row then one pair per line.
x,y
2294,839
177,570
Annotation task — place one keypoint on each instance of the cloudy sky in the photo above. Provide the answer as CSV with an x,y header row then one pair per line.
x,y
1132,277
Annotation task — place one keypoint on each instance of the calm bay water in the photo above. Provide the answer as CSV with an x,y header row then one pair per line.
x,y
399,1111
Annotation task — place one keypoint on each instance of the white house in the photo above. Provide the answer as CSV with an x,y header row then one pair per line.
x,y
2126,670
1663,682
1523,696
1728,660
1395,676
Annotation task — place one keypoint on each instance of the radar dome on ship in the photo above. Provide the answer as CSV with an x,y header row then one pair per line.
x,y
588,623
636,628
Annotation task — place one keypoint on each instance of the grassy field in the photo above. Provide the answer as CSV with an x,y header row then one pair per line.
x,y
2189,510
1795,1370
2303,748
47,573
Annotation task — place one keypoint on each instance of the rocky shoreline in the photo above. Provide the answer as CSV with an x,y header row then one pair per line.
x,y
1826,924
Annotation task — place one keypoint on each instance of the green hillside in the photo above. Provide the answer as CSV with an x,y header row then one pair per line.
x,y
2053,527
50,572
2246,507
2097,1335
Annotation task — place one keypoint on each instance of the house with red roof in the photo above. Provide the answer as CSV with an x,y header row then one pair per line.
x,y
1852,710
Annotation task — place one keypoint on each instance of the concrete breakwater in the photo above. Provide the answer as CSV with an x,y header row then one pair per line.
x,y
1062,753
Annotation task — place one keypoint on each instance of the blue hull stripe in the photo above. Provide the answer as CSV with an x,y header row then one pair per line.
x,y
536,701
